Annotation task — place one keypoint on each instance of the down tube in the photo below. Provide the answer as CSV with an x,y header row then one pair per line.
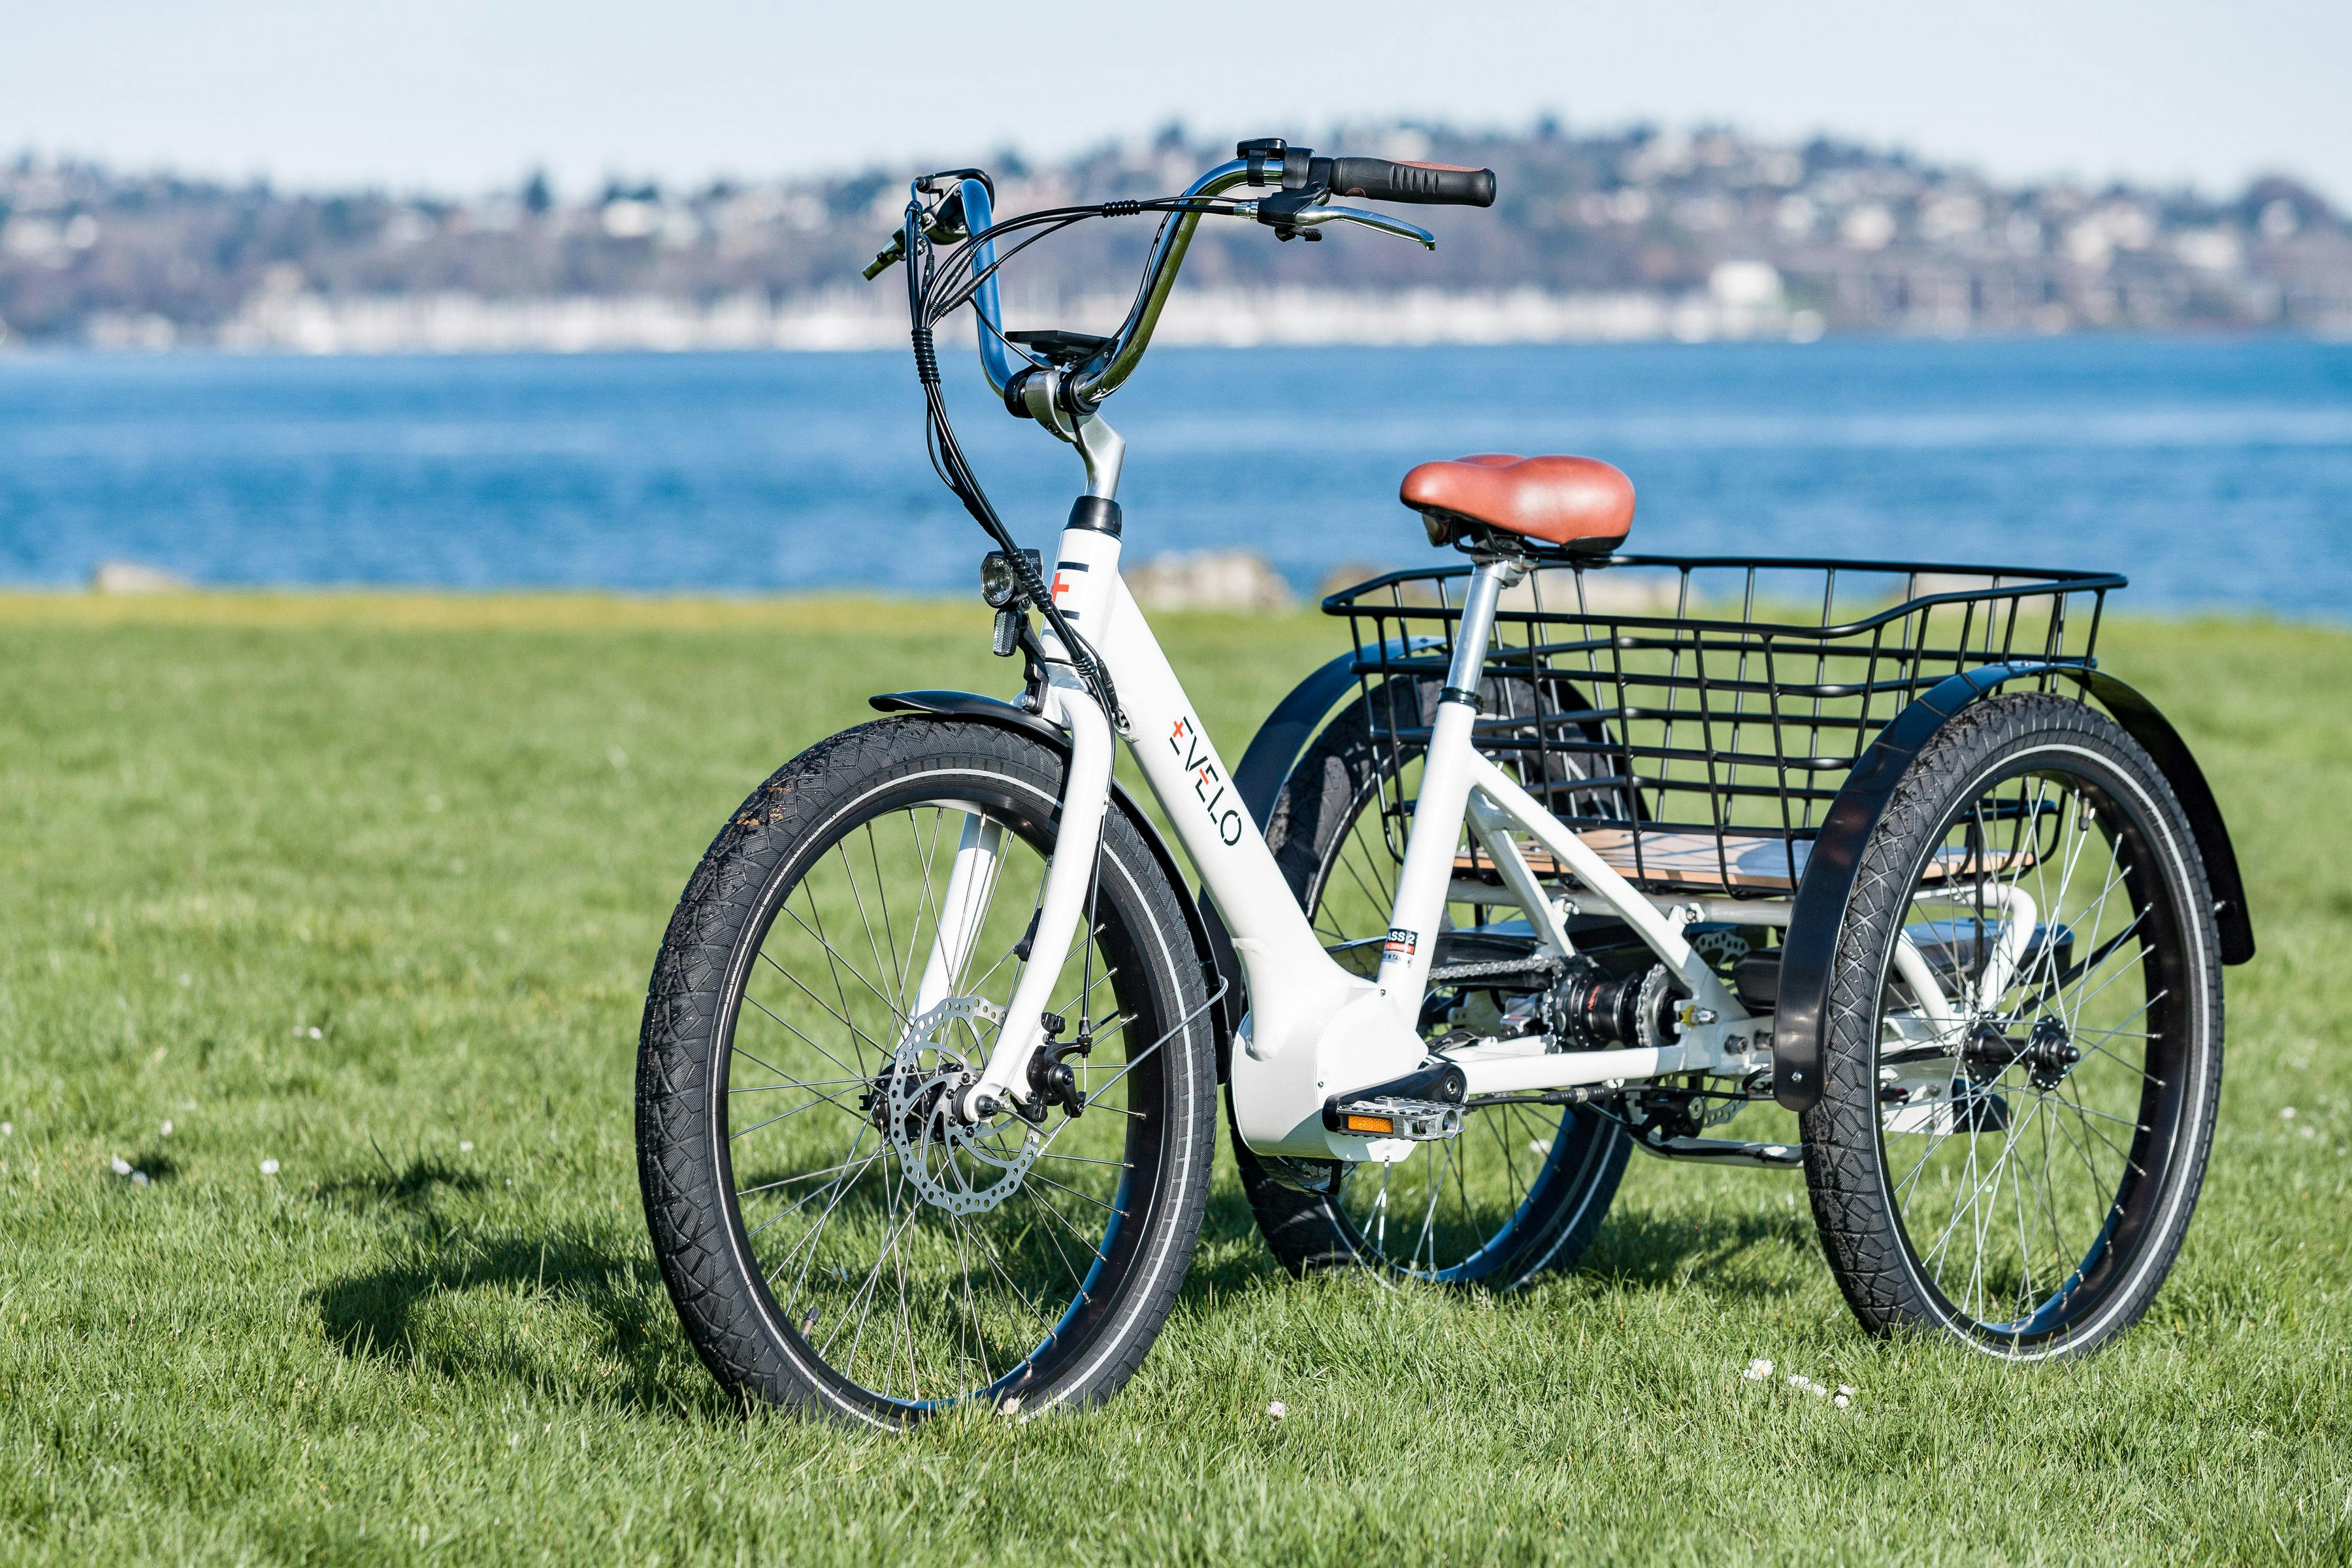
x,y
1289,974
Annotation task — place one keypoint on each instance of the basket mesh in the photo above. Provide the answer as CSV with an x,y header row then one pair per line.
x,y
1693,717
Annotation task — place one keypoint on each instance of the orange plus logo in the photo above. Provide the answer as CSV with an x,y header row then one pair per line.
x,y
1063,584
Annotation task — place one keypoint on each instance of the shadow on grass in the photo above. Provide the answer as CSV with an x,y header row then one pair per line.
x,y
1636,1249
385,1316
412,1187
1644,1249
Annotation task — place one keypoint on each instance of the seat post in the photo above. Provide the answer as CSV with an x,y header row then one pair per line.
x,y
1488,578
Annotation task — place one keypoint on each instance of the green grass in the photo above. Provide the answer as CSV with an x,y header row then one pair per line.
x,y
445,835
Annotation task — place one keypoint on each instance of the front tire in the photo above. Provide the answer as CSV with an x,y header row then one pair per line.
x,y
832,1241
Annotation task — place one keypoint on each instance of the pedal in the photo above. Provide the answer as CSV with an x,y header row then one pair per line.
x,y
1422,1105
1391,1116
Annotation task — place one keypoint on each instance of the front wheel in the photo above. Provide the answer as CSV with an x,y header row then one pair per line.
x,y
2024,1038
832,1237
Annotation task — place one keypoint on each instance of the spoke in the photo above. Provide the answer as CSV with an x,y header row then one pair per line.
x,y
2082,1151
839,1017
889,930
980,986
1086,1159
1054,1209
836,961
815,1234
796,1111
808,1083
1428,1220
989,1258
866,1291
881,963
926,856
806,1198
1098,1091
1047,1232
972,1306
806,1176
1083,1197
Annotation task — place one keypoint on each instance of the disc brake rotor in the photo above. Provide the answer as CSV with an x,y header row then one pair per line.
x,y
964,1168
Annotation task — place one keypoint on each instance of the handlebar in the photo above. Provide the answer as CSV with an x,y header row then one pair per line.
x,y
1299,209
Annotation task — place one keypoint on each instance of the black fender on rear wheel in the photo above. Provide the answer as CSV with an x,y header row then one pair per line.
x,y
1827,890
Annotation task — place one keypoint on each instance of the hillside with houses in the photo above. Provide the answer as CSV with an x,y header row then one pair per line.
x,y
1624,234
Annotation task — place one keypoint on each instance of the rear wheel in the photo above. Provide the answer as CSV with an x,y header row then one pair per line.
x,y
2025,1043
1524,1187
832,1237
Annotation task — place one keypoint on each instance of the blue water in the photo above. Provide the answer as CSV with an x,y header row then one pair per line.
x,y
2215,472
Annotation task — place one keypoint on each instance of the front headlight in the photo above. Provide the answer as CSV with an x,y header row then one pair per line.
x,y
998,585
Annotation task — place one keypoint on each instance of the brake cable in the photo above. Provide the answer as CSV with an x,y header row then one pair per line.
x,y
931,298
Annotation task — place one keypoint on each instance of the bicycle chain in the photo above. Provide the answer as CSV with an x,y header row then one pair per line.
x,y
1446,973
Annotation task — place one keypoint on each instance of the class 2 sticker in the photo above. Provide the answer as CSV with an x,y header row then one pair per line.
x,y
1401,944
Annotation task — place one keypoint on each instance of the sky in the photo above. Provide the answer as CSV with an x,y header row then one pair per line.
x,y
461,96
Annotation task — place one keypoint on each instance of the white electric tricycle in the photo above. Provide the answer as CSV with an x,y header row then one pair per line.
x,y
1573,854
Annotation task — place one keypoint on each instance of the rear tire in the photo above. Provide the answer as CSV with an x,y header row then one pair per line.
x,y
888,1303
2021,1178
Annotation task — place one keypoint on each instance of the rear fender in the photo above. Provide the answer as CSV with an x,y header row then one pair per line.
x,y
1802,1016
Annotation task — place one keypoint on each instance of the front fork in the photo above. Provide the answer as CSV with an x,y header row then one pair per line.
x,y
1061,909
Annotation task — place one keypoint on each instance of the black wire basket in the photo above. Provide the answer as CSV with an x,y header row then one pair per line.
x,y
1692,718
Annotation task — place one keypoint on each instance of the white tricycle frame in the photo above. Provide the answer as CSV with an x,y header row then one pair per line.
x,y
1316,1032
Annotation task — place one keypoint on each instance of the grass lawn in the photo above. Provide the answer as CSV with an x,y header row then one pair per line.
x,y
370,886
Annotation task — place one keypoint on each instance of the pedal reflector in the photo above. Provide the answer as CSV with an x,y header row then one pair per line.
x,y
1392,1116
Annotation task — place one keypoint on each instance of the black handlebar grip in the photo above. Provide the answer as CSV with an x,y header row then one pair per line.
x,y
1379,180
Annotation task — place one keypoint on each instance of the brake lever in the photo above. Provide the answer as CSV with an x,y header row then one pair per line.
x,y
1314,217
1298,214
892,254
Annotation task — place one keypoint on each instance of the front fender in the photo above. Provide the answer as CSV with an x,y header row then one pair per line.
x,y
972,705
1801,1015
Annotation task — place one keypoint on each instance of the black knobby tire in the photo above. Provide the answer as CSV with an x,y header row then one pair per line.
x,y
2023,1177
1004,1305
1533,1182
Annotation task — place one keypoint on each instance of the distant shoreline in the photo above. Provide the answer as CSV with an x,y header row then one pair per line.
x,y
619,334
